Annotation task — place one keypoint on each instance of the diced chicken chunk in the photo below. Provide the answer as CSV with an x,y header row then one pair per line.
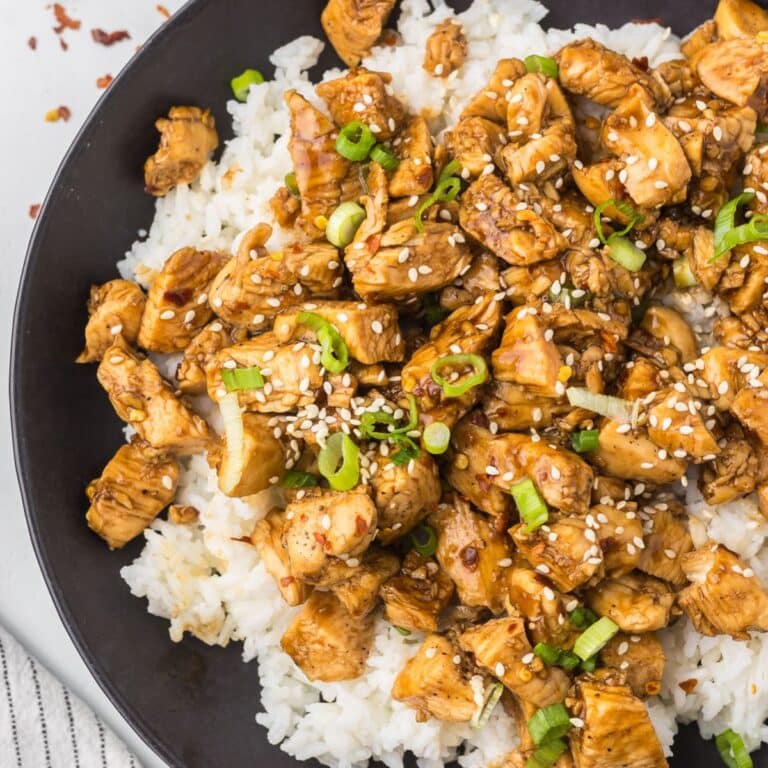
x,y
446,49
190,375
666,541
473,142
359,590
618,529
640,657
354,26
414,174
491,102
636,602
740,18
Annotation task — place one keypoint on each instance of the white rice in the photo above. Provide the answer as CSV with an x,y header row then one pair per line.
x,y
215,588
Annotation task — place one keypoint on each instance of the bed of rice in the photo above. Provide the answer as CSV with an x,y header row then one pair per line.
x,y
205,583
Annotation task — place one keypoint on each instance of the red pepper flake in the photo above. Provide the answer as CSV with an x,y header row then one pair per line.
x,y
389,38
63,44
163,11
60,113
320,539
32,43
286,581
242,539
34,210
641,63
65,21
109,38
688,685
104,81
361,526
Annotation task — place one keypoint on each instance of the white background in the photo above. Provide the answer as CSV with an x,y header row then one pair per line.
x,y
31,83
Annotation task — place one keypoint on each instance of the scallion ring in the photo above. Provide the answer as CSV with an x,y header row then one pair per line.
x,y
549,723
606,405
295,478
533,511
543,64
624,208
402,630
370,419
554,656
461,386
339,462
242,378
754,230
594,638
683,274
384,157
436,437
450,169
355,141
582,618
334,356
448,187
424,540
547,754
483,714
241,84
292,184
406,451
585,441
733,750
725,221
625,253
343,223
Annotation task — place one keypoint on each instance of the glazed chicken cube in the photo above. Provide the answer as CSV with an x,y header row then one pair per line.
x,y
190,375
724,596
285,207
433,684
666,541
564,551
618,528
514,408
415,598
135,486
187,138
740,18
640,657
370,331
668,325
600,182
479,280
501,647
756,162
735,472
636,602
114,309
473,142
676,430
617,729
491,102
473,553
749,407
143,399
177,306
354,26
328,524
413,148
326,642
359,591
446,49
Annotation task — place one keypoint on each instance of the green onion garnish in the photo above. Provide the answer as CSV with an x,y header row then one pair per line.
x,y
569,296
463,385
334,355
556,657
754,230
339,462
594,638
549,723
533,510
589,665
355,141
292,184
370,419
384,157
295,478
732,749
407,450
436,437
434,313
424,540
606,405
547,754
725,221
242,378
343,223
582,617
585,441
543,64
450,169
625,253
403,631
242,83
624,208
483,714
446,190
683,274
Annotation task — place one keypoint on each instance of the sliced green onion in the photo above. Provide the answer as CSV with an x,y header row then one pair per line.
x,y
436,437
242,378
533,510
295,478
343,223
589,665
242,83
547,754
339,462
606,405
585,441
683,274
370,419
291,183
549,654
753,231
450,169
622,207
355,141
407,450
549,723
594,638
543,64
625,253
483,714
448,187
424,540
462,385
569,296
732,749
334,355
384,157
725,221
434,314
582,618
403,631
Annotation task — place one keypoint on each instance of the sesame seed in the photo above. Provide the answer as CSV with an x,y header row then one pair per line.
x,y
660,184
542,568
167,482
168,314
577,722
273,302
359,107
540,166
650,121
491,470
500,669
115,329
653,164
431,652
413,274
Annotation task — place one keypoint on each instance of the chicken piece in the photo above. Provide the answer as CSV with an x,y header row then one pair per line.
x,y
618,528
187,138
667,324
479,280
446,49
474,142
756,162
434,685
735,472
354,26
370,331
750,408
135,486
177,305
491,102
666,541
267,537
727,371
724,597
740,18
381,112
590,69
677,76
415,598
181,514
640,657
750,295
568,559
143,399
492,214
661,173
326,642
328,524
285,207
600,182
414,174
610,490
190,374
514,408
636,602
617,731
501,647
256,285
319,168
473,553
525,285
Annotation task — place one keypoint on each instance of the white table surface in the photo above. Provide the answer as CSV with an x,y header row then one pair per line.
x,y
31,83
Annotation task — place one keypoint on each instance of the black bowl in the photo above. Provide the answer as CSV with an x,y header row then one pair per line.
x,y
192,704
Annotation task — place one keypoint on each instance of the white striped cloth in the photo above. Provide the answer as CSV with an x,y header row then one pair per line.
x,y
43,725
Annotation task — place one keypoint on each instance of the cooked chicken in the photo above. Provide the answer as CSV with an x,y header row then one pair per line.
x,y
474,142
415,598
666,541
756,163
446,49
326,642
285,207
513,408
414,174
354,26
479,280
187,138
618,528
143,399
432,683
114,309
735,472
617,730
491,102
749,407
724,596
728,370
740,18
190,375
668,325
359,591
135,486
636,602
640,657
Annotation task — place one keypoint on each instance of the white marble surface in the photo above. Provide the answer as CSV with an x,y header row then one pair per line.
x,y
31,83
